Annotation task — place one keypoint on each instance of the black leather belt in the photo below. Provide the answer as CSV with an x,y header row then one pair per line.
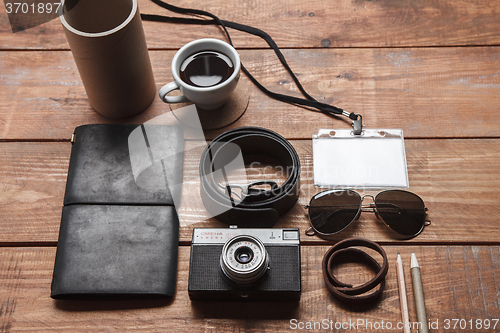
x,y
251,207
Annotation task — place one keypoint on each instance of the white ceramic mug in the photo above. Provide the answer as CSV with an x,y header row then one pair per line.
x,y
208,98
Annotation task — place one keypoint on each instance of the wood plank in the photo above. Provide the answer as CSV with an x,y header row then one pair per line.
x,y
33,180
459,180
458,282
428,92
314,23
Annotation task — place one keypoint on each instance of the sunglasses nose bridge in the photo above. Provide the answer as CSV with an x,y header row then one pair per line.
x,y
367,196
371,205
368,205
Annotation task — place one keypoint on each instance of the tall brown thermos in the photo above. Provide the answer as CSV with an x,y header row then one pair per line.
x,y
108,44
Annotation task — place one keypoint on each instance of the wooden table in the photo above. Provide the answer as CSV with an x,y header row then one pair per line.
x,y
431,68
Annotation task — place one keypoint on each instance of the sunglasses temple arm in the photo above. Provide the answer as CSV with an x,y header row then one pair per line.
x,y
402,210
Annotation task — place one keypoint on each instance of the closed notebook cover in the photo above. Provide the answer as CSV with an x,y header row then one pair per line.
x,y
119,228
110,251
125,164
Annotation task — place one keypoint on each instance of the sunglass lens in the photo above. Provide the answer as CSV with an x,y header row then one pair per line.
x,y
402,211
332,211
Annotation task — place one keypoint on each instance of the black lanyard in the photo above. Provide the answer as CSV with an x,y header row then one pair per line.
x,y
309,101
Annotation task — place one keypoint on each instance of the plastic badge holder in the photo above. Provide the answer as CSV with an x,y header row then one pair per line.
x,y
374,159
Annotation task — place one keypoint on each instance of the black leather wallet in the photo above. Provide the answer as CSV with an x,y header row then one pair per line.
x,y
119,227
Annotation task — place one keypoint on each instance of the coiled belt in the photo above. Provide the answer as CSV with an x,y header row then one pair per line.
x,y
345,250
255,207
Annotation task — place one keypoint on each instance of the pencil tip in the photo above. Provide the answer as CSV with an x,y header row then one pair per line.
x,y
414,262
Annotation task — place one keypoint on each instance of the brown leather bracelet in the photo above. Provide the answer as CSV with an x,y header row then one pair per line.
x,y
344,250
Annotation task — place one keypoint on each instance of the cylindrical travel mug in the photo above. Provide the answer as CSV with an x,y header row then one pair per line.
x,y
108,44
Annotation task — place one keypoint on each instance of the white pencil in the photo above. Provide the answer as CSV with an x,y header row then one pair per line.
x,y
402,295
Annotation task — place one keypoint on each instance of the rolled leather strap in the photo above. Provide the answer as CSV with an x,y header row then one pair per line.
x,y
257,207
344,250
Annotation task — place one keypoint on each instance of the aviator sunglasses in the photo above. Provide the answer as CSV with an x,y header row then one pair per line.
x,y
331,211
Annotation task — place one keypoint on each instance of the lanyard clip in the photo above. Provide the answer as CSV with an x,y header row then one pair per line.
x,y
357,125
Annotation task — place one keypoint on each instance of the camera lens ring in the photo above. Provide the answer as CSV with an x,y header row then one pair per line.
x,y
244,272
243,255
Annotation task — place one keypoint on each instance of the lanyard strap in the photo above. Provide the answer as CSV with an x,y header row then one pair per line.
x,y
309,101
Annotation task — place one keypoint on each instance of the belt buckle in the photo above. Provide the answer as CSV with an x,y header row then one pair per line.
x,y
246,189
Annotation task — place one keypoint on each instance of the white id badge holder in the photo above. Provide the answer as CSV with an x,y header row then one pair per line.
x,y
373,159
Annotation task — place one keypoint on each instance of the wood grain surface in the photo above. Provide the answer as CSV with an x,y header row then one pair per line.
x,y
431,68
455,178
305,24
453,281
428,92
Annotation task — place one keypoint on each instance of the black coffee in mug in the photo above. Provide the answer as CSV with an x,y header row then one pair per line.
x,y
206,69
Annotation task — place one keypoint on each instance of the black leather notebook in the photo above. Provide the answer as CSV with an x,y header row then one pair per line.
x,y
119,227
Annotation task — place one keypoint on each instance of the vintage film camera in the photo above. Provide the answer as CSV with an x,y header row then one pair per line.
x,y
244,265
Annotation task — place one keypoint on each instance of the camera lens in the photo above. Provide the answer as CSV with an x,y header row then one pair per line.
x,y
244,259
243,255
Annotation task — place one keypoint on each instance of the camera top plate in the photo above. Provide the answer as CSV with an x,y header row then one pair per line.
x,y
275,236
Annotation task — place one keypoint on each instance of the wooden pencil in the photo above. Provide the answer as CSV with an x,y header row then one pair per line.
x,y
402,295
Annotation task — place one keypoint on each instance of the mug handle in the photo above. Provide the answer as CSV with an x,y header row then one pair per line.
x,y
171,99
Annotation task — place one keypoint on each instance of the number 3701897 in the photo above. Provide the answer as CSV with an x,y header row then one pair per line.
x,y
31,8
463,324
